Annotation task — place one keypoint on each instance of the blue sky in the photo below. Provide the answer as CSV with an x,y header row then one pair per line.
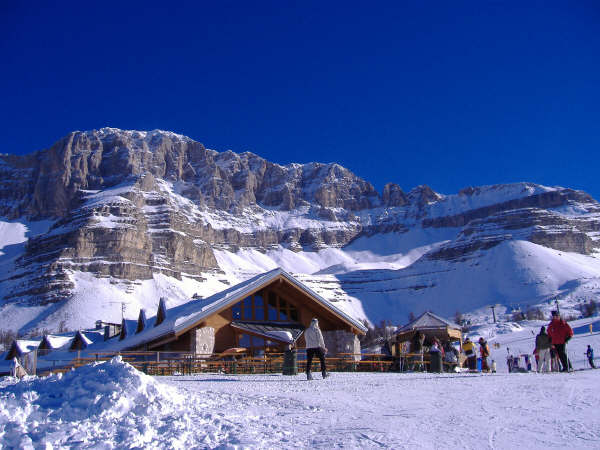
x,y
449,94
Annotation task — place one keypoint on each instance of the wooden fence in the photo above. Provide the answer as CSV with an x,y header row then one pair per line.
x,y
171,363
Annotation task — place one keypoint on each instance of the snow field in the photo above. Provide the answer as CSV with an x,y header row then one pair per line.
x,y
111,405
384,410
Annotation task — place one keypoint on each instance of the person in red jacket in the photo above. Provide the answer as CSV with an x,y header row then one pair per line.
x,y
560,332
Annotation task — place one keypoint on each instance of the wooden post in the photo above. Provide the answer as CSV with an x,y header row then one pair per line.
x,y
494,312
34,363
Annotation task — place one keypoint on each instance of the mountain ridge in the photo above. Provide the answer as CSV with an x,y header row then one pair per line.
x,y
131,206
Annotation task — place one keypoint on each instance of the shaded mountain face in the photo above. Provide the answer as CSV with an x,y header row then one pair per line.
x,y
128,205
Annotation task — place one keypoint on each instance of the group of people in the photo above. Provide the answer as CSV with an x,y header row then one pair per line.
x,y
471,354
449,353
551,346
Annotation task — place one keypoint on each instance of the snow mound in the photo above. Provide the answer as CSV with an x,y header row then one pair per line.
x,y
98,403
112,405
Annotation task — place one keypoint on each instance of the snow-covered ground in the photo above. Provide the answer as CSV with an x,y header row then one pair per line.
x,y
110,405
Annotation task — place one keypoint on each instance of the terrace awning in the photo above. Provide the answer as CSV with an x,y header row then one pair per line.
x,y
280,332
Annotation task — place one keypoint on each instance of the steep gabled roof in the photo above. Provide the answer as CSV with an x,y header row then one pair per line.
x,y
428,321
80,341
141,322
21,347
86,338
184,317
53,342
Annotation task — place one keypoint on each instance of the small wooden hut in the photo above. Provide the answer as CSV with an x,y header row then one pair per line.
x,y
430,325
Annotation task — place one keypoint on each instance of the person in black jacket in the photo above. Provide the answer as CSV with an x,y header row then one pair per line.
x,y
543,345
417,350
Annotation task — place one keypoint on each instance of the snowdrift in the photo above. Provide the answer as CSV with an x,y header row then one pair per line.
x,y
110,403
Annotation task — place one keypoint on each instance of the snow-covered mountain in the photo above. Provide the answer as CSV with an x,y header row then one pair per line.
x,y
108,216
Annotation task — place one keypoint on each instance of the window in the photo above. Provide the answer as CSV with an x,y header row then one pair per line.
x,y
272,307
259,307
265,306
293,314
254,344
283,315
237,311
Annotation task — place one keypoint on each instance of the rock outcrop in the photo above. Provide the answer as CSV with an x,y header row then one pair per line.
x,y
131,204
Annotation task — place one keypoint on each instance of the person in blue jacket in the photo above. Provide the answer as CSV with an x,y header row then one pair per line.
x,y
590,356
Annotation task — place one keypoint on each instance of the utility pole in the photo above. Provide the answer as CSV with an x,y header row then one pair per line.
x,y
123,305
494,312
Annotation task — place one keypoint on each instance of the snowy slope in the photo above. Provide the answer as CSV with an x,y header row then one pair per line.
x,y
390,285
374,277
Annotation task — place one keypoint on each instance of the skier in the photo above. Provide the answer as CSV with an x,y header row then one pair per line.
x,y
560,333
469,349
509,363
315,345
542,345
484,351
590,356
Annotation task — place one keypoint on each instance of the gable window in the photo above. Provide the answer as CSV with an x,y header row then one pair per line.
x,y
265,306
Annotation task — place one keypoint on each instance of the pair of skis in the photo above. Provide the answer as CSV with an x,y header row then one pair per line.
x,y
569,365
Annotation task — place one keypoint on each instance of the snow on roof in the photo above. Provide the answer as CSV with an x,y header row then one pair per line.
x,y
84,338
428,320
288,333
54,342
184,316
128,327
94,335
27,345
90,336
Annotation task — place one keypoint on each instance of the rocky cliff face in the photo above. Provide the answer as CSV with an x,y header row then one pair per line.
x,y
131,204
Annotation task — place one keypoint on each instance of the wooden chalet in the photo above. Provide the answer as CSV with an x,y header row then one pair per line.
x,y
267,313
432,326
